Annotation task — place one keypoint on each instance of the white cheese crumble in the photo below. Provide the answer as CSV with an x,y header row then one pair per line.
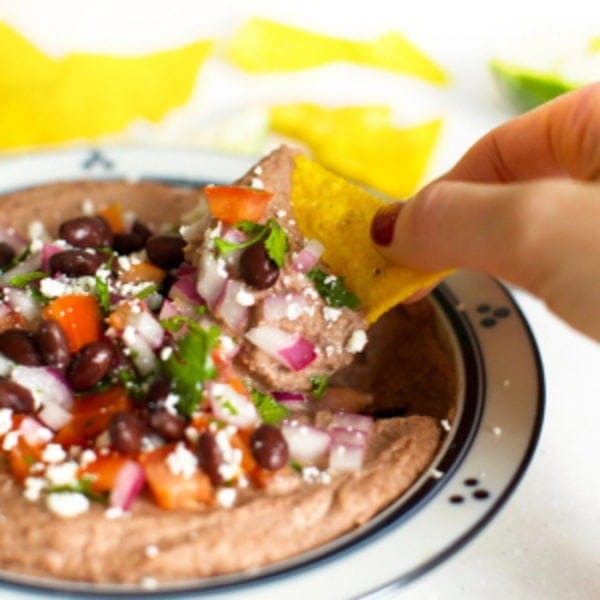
x,y
5,420
358,340
191,434
36,231
149,583
445,424
281,213
67,504
257,184
244,298
332,314
258,170
53,453
171,402
229,469
497,431
314,475
115,512
436,473
151,551
182,462
63,473
87,456
33,488
87,207
226,497
166,353
10,440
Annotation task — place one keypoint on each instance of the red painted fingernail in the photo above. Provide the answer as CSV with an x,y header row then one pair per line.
x,y
382,226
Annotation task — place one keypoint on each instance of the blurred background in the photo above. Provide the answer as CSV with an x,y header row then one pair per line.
x,y
389,94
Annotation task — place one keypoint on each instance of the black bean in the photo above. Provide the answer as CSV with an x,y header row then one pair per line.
x,y
164,420
53,344
126,243
256,267
19,345
269,447
142,230
15,397
77,263
209,457
86,232
126,432
165,251
7,254
90,365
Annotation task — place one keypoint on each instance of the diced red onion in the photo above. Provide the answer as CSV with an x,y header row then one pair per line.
x,y
346,457
49,391
185,288
306,444
30,264
352,421
307,258
230,310
290,349
14,239
48,251
128,483
147,326
233,235
185,268
211,280
282,306
230,406
292,400
353,437
21,301
34,433
167,310
142,355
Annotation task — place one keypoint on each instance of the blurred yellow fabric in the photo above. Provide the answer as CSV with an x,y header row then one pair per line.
x,y
82,96
360,142
264,46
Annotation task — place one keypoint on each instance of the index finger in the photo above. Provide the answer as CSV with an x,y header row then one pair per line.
x,y
557,139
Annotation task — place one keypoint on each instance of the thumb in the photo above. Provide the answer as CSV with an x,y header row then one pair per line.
x,y
539,235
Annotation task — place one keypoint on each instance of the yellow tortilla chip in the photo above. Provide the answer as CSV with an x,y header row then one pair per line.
x,y
361,143
338,214
47,100
264,46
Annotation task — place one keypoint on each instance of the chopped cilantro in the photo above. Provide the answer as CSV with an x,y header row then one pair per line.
x,y
295,465
191,365
25,278
319,384
332,289
103,294
228,406
276,240
269,409
147,291
175,323
135,388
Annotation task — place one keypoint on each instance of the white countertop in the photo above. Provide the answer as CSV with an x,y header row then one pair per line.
x,y
546,542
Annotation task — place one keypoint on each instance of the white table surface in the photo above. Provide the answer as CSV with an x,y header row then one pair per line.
x,y
546,541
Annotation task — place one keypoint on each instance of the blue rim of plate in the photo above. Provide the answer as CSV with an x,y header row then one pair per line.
x,y
496,355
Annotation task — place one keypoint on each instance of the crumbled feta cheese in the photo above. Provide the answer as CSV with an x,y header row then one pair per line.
x,y
87,207
36,231
222,267
10,440
149,443
5,420
331,314
115,512
67,504
436,473
63,473
281,213
258,170
52,288
166,353
227,344
171,402
226,497
497,431
230,466
148,583
329,350
292,222
244,298
33,488
37,435
257,184
124,263
191,434
182,462
37,467
314,475
53,453
445,424
358,340
87,456
151,551
36,246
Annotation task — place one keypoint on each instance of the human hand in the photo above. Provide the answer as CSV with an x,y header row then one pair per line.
x,y
522,204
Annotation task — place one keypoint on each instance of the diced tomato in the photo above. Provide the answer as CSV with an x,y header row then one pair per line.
x,y
233,203
104,471
113,213
225,372
92,414
200,422
79,316
258,476
141,272
21,457
174,491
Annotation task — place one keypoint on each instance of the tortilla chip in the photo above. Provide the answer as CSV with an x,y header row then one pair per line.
x,y
47,100
338,214
361,143
264,46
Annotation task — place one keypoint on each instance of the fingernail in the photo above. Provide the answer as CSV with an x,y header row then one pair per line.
x,y
382,226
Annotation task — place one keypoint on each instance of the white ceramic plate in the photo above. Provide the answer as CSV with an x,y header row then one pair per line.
x,y
500,407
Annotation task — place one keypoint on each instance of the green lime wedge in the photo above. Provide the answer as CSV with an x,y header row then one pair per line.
x,y
527,87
